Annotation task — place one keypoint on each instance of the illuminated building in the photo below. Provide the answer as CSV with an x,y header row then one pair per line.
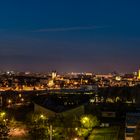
x,y
51,83
54,74
138,74
118,78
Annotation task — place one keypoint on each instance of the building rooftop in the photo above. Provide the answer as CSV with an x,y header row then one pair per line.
x,y
60,103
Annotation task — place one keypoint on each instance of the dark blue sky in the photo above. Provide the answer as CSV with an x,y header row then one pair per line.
x,y
70,35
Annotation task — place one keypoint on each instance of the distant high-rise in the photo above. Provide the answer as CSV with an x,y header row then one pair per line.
x,y
138,74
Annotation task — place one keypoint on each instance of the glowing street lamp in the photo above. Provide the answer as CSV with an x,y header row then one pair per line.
x,y
85,120
22,99
42,116
2,114
9,101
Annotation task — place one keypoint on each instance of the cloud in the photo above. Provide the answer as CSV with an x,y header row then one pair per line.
x,y
70,29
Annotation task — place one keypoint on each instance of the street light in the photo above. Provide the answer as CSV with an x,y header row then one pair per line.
x,y
2,114
85,120
42,117
22,99
9,101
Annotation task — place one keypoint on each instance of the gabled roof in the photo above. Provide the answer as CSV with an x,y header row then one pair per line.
x,y
58,103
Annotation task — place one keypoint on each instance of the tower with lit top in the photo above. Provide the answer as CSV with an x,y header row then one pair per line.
x,y
138,74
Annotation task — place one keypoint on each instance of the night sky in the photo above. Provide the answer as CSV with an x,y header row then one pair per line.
x,y
70,35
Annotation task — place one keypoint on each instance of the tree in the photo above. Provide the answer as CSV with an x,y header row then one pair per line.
x,y
88,123
4,130
38,127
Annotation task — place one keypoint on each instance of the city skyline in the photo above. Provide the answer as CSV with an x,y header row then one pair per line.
x,y
96,36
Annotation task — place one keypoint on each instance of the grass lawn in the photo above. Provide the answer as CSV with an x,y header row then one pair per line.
x,y
110,133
